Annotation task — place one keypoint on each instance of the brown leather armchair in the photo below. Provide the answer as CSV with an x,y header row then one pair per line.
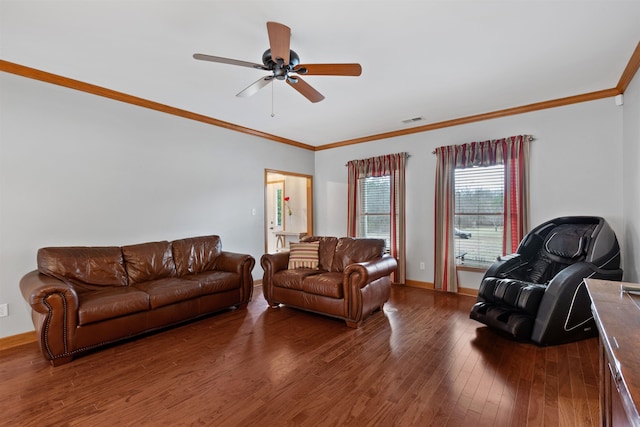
x,y
352,279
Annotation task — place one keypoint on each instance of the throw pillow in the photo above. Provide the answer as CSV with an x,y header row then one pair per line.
x,y
303,255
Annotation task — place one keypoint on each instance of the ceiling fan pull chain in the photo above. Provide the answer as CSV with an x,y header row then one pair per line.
x,y
273,114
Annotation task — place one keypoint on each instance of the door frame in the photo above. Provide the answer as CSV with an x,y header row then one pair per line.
x,y
309,187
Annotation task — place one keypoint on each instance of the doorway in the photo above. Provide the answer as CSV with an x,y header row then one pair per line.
x,y
288,205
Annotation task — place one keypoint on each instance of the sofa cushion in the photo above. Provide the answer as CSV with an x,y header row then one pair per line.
x,y
196,254
212,282
110,302
99,266
292,279
149,261
326,284
169,290
350,250
303,255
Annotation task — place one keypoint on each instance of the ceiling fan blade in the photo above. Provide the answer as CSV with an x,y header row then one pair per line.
x,y
305,89
254,87
222,60
329,69
279,40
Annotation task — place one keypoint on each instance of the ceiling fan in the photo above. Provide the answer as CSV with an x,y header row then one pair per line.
x,y
283,62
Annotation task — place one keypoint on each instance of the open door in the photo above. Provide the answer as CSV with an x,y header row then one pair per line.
x,y
288,209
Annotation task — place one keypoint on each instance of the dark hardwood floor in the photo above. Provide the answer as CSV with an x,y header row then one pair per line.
x,y
420,362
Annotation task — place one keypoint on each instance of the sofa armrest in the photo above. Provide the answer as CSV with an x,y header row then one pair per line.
x,y
38,289
55,304
243,265
362,273
272,263
234,262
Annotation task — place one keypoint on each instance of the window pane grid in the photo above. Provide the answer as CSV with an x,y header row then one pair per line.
x,y
479,201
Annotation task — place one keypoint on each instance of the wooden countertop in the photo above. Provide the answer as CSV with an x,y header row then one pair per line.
x,y
617,314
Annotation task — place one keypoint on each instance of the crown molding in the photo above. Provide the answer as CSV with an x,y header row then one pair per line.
x,y
55,79
629,72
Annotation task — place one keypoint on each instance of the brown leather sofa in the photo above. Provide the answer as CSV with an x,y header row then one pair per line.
x,y
352,279
86,297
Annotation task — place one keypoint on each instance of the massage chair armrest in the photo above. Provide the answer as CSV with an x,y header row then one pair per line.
x,y
504,265
566,302
573,275
362,273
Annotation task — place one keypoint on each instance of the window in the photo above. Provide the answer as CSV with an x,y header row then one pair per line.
x,y
479,215
278,206
375,211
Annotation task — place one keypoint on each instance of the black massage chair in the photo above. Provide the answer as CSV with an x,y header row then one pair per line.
x,y
538,294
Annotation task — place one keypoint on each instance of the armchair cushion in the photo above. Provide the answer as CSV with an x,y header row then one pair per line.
x,y
303,255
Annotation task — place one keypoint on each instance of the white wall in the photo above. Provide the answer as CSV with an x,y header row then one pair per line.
x,y
576,162
631,180
78,169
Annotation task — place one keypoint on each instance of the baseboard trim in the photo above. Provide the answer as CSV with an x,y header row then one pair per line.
x,y
428,285
17,340
418,284
468,291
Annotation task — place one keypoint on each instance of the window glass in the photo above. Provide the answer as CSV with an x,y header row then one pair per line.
x,y
375,210
278,206
479,217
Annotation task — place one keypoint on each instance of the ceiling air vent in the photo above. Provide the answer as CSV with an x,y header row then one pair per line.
x,y
412,120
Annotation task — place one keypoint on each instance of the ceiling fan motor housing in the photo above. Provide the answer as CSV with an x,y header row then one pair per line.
x,y
280,71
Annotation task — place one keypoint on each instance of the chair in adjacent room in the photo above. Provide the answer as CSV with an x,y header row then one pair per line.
x,y
538,294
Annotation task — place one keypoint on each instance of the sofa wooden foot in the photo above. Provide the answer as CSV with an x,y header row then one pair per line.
x,y
353,325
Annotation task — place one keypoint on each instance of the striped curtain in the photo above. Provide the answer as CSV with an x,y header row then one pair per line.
x,y
392,165
513,152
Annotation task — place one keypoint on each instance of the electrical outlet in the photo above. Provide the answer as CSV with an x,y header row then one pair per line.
x,y
4,310
422,266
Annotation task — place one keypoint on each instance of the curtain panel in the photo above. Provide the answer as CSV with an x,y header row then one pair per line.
x,y
392,165
513,153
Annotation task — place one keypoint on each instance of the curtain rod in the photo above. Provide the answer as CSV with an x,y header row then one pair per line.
x,y
531,139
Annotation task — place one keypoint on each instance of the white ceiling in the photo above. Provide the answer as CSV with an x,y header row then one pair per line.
x,y
440,60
